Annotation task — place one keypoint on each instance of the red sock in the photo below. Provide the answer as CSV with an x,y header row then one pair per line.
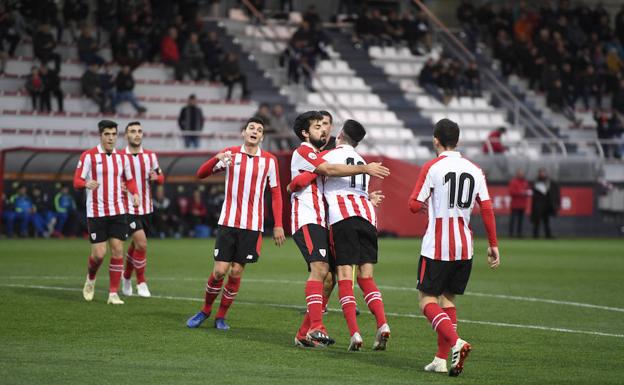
x,y
114,273
140,261
441,323
314,301
213,288
347,302
93,266
443,346
305,326
372,296
229,293
129,263
325,300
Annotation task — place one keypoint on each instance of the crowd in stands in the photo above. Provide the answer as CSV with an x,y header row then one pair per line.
x,y
569,51
137,32
372,27
45,211
446,78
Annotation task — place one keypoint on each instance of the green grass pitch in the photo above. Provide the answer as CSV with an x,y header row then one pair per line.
x,y
552,314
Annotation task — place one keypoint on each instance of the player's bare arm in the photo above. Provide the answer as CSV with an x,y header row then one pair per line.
x,y
278,236
493,257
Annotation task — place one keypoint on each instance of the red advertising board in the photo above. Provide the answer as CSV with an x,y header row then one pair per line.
x,y
575,201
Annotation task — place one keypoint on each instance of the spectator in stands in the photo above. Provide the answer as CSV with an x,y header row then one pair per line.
x,y
429,79
603,130
617,100
264,112
519,192
416,32
75,12
107,84
616,125
35,87
12,28
119,45
124,84
311,16
213,54
44,45
91,87
231,74
64,209
493,143
170,53
164,219
194,58
51,86
471,81
545,203
88,47
191,119
106,17
278,120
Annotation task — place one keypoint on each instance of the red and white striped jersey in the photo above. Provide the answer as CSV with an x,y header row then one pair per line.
x,y
109,170
307,205
452,184
141,164
245,182
348,196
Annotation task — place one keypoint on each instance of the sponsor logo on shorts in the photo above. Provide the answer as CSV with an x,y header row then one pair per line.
x,y
249,256
323,252
216,252
133,225
93,236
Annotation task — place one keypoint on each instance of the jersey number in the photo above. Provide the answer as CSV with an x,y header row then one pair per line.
x,y
351,161
459,197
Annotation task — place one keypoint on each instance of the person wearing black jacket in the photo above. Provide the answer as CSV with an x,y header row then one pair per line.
x,y
545,203
191,119
52,86
125,90
231,74
44,45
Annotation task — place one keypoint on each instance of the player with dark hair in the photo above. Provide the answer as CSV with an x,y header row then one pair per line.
x,y
448,187
145,169
353,233
101,172
249,170
308,218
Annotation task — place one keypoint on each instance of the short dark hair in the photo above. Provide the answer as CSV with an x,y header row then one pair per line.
x,y
447,132
326,113
103,124
302,122
353,131
133,123
253,119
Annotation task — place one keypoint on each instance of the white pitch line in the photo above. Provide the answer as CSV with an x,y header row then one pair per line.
x,y
404,315
383,287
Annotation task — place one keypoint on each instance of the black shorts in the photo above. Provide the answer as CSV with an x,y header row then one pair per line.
x,y
138,222
313,241
237,245
354,241
436,277
101,229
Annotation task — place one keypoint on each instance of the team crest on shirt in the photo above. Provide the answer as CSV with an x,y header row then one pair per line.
x,y
93,235
79,164
133,225
216,252
323,252
312,156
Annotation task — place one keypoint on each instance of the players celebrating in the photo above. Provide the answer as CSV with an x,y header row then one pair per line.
x,y
448,186
101,171
239,239
145,169
308,219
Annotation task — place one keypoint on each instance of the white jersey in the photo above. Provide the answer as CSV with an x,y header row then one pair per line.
x,y
307,205
348,196
452,185
109,170
141,165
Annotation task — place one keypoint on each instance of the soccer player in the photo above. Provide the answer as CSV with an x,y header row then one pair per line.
x,y
249,169
309,226
448,187
353,234
101,171
145,169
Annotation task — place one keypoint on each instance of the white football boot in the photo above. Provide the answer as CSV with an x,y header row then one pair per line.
x,y
113,299
381,337
143,291
438,365
89,289
459,354
356,342
126,286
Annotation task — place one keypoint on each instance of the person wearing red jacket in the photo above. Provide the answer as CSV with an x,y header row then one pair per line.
x,y
493,142
170,53
519,193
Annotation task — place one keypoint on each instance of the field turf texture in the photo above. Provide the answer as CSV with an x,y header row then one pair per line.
x,y
552,314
